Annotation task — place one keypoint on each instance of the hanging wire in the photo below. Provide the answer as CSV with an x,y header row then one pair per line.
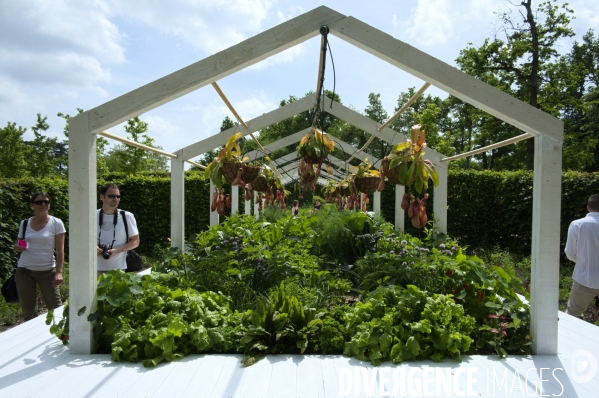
x,y
334,74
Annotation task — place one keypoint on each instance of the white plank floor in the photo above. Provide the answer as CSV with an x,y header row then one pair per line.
x,y
34,363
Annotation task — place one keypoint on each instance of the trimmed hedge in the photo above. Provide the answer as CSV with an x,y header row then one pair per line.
x,y
488,209
485,209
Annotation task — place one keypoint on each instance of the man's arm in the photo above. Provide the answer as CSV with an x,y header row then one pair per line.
x,y
132,244
572,242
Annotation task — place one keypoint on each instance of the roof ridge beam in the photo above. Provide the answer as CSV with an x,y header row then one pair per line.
x,y
448,78
371,126
262,121
213,68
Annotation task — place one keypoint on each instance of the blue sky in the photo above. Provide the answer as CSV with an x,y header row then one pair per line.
x,y
57,55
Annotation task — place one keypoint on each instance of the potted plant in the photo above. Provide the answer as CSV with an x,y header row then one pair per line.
x,y
315,146
313,150
405,165
365,178
230,165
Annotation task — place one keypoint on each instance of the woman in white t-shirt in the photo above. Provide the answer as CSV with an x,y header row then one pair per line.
x,y
37,264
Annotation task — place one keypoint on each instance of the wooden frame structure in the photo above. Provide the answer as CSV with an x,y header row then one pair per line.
x,y
83,128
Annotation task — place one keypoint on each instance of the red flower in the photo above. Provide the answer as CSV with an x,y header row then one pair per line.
x,y
480,295
494,330
504,332
448,272
466,286
493,316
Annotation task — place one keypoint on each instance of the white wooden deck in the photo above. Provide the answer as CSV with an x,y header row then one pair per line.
x,y
33,363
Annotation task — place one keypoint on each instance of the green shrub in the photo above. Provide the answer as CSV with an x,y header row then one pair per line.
x,y
406,323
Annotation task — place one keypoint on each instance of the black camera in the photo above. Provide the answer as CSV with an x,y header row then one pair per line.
x,y
105,253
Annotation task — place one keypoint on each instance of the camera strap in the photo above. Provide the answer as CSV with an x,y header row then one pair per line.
x,y
114,221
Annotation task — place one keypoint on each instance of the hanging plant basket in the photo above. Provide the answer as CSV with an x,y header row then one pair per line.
x,y
392,174
313,159
250,173
315,146
259,184
230,170
367,185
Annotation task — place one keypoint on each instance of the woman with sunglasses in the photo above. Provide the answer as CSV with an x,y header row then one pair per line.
x,y
37,265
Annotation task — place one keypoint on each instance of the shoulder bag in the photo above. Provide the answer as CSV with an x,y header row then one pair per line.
x,y
9,287
134,260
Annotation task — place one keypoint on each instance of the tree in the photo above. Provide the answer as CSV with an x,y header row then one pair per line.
x,y
12,151
577,78
520,63
41,156
132,160
376,112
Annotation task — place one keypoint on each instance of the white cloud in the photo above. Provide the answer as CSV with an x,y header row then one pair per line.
x,y
208,25
394,20
435,22
255,106
285,57
58,42
161,129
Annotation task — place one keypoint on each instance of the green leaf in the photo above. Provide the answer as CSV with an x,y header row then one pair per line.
x,y
413,346
81,311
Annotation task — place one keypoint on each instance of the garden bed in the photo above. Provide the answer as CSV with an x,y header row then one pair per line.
x,y
334,283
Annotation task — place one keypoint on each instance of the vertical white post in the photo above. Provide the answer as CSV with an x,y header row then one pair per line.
x,y
546,204
399,213
248,207
256,212
214,219
178,201
234,199
376,206
440,198
82,234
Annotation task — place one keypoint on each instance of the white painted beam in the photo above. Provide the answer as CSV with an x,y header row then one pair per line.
x,y
399,212
265,120
234,199
282,143
372,127
440,198
376,202
248,207
546,206
178,202
83,265
211,69
447,78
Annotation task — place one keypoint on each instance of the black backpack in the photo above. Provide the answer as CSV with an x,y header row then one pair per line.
x,y
134,260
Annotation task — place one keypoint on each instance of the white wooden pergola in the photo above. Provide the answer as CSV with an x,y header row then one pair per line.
x,y
83,128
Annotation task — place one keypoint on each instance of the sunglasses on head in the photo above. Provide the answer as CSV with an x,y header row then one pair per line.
x,y
41,202
114,196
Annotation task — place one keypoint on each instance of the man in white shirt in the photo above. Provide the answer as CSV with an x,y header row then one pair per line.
x,y
112,238
582,247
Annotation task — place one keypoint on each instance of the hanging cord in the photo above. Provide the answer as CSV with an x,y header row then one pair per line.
x,y
324,31
334,74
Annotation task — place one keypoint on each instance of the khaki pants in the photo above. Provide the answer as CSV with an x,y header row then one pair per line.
x,y
580,298
26,281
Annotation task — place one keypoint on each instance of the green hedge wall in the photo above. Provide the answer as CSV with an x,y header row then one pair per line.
x,y
485,209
